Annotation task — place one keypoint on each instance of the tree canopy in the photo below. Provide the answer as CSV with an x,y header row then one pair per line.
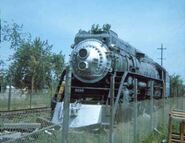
x,y
177,86
13,33
33,65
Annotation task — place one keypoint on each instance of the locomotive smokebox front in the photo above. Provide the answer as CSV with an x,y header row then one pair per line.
x,y
90,60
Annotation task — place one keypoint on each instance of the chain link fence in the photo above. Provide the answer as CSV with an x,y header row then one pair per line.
x,y
132,125
140,129
20,99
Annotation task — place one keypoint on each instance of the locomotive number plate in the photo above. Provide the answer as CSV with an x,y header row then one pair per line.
x,y
79,90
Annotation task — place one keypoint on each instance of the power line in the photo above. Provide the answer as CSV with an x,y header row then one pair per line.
x,y
162,49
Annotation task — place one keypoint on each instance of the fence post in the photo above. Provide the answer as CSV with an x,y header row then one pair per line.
x,y
135,111
182,102
66,105
151,83
163,100
112,83
10,91
31,98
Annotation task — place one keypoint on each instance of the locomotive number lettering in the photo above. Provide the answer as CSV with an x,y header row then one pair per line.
x,y
80,90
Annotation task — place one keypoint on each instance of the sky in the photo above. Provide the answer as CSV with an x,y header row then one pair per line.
x,y
145,24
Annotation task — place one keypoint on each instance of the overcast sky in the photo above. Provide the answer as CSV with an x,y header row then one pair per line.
x,y
145,24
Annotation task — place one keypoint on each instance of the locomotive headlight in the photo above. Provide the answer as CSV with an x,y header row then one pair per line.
x,y
83,65
89,60
83,53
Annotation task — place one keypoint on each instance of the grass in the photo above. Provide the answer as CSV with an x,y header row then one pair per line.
x,y
38,100
156,136
123,131
73,136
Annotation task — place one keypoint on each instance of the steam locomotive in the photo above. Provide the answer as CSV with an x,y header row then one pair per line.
x,y
97,55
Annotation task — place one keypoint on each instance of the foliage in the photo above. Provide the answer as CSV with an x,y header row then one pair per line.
x,y
156,137
1,63
13,33
57,60
177,87
34,64
39,99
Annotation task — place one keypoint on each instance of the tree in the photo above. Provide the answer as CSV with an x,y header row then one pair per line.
x,y
1,63
177,87
34,64
13,33
57,61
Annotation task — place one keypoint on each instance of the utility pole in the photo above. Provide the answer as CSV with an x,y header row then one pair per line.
x,y
162,77
162,49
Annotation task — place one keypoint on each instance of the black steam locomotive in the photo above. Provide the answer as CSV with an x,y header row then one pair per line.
x,y
98,54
